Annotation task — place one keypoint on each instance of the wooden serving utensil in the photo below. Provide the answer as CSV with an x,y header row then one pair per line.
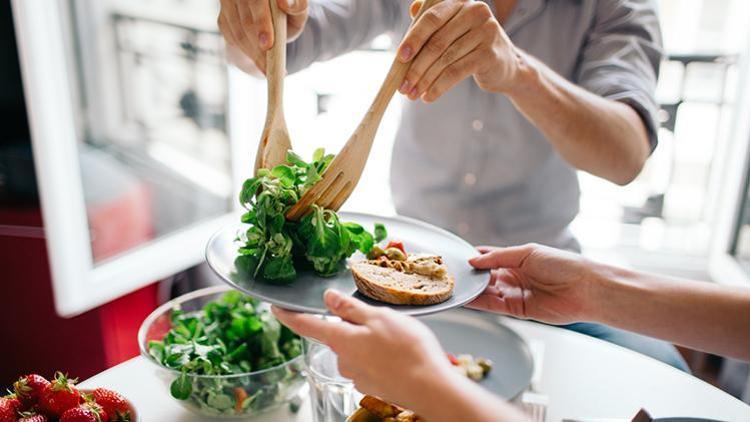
x,y
275,142
344,172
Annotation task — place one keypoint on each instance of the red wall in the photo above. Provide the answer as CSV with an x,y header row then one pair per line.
x,y
32,337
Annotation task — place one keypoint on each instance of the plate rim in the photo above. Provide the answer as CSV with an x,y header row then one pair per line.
x,y
420,311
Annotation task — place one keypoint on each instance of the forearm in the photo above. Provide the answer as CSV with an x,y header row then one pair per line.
x,y
603,137
334,28
699,315
452,397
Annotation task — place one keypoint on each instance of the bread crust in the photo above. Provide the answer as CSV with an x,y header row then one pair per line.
x,y
400,296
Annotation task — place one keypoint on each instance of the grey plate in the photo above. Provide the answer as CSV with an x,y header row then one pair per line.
x,y
305,294
479,334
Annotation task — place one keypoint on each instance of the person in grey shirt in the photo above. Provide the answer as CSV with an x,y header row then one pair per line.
x,y
508,99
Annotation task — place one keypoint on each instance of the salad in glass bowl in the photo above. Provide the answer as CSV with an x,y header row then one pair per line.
x,y
222,353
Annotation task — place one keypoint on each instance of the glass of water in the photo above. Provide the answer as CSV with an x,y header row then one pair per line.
x,y
333,397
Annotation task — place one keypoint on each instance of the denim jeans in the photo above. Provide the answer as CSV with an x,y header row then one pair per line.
x,y
657,349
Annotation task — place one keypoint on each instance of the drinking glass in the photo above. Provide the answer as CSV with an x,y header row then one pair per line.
x,y
333,397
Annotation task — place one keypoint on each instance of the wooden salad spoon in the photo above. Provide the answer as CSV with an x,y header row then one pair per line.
x,y
275,142
344,172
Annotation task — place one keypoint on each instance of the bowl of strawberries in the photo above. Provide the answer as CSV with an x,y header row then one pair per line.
x,y
36,399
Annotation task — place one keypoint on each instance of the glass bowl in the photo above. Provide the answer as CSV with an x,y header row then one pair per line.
x,y
240,395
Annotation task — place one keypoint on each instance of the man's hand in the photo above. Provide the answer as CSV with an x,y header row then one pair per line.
x,y
248,29
385,353
453,40
538,282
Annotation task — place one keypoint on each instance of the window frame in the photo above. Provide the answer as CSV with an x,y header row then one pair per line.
x,y
724,266
77,283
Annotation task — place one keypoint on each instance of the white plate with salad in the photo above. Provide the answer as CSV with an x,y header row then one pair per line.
x,y
291,264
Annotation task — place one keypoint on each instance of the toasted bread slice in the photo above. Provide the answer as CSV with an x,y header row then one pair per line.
x,y
399,288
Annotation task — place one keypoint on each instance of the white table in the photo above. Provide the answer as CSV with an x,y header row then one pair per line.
x,y
583,377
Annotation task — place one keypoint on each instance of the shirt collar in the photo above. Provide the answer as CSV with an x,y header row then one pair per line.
x,y
523,12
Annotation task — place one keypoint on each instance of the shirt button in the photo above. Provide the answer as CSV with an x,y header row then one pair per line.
x,y
470,179
463,228
477,125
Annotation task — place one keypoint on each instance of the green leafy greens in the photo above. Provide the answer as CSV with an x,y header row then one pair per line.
x,y
273,247
229,336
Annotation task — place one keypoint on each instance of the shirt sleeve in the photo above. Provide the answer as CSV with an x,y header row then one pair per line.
x,y
621,56
335,27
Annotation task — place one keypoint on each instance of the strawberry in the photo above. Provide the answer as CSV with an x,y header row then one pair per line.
x,y
29,388
98,409
9,407
59,396
87,412
113,403
32,417
79,414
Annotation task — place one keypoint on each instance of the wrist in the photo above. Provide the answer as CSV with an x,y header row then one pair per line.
x,y
606,292
459,399
526,76
445,386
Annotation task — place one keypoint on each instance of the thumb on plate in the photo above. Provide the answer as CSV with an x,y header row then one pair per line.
x,y
347,308
511,257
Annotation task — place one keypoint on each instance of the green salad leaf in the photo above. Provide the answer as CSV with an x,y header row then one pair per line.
x,y
181,387
274,248
229,336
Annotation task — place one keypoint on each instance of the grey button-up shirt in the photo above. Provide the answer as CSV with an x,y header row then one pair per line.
x,y
470,162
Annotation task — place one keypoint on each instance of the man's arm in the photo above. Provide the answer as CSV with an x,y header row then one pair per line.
x,y
603,137
336,27
317,31
606,126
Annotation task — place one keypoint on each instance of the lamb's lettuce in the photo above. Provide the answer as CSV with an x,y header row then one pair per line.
x,y
274,248
232,335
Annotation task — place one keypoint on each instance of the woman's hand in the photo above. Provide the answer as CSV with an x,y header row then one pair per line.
x,y
453,40
385,353
540,283
248,29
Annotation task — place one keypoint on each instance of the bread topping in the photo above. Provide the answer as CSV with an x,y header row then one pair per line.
x,y
422,264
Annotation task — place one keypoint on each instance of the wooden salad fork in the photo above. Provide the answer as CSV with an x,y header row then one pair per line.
x,y
344,172
275,142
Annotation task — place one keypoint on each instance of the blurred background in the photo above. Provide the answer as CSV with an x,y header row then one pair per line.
x,y
164,132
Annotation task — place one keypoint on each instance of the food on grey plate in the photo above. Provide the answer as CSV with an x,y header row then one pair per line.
x,y
394,276
273,248
474,368
373,409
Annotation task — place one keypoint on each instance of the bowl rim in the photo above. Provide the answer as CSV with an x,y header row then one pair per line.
x,y
156,313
